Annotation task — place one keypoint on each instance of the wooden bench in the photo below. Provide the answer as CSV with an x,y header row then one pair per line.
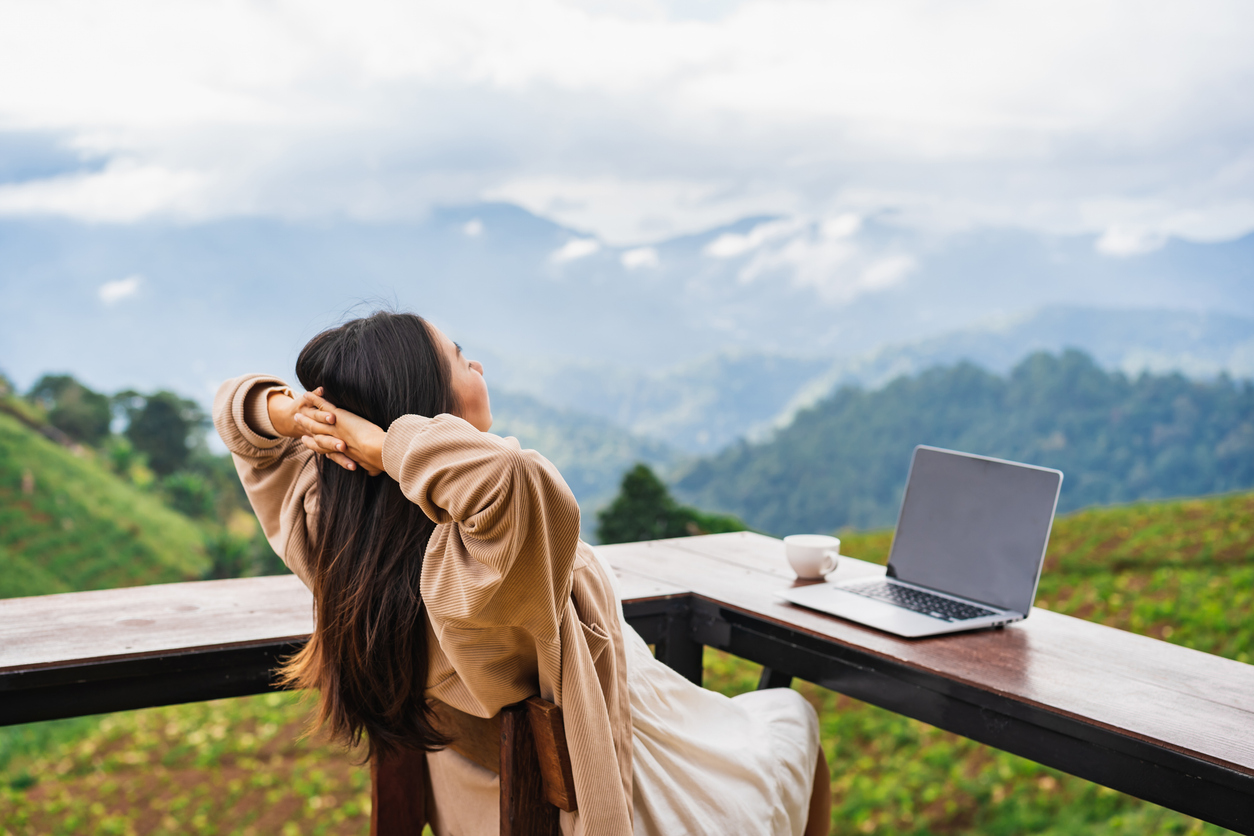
x,y
1161,722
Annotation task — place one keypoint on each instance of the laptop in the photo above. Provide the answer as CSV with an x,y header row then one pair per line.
x,y
967,552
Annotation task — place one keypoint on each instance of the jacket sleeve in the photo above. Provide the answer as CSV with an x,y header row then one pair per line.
x,y
504,556
280,475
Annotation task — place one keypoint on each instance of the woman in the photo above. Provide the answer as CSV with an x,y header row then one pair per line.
x,y
451,568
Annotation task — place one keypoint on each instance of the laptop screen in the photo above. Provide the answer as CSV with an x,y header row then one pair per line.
x,y
975,527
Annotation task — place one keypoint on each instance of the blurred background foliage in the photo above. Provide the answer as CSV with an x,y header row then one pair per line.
x,y
99,491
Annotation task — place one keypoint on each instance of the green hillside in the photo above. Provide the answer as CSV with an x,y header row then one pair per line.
x,y
242,767
1117,439
67,523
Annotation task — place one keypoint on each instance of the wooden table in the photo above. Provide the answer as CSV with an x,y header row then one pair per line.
x,y
1167,724
1171,725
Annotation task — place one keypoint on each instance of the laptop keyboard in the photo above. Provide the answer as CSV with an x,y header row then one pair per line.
x,y
919,601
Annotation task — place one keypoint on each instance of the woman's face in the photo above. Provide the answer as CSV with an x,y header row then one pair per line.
x,y
468,384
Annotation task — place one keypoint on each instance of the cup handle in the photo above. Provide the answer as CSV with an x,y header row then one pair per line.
x,y
829,561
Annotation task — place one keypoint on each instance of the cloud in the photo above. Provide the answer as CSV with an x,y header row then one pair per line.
x,y
113,292
1121,242
639,257
732,245
825,256
575,249
472,228
124,191
886,272
841,226
638,122
626,211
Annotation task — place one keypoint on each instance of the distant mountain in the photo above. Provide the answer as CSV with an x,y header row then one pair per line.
x,y
843,461
703,406
696,407
183,306
1197,344
591,453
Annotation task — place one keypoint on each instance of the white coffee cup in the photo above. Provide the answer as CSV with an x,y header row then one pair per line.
x,y
811,555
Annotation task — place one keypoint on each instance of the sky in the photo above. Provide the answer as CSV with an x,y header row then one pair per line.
x,y
634,122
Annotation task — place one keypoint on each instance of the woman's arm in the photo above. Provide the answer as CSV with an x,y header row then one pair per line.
x,y
516,520
443,464
255,416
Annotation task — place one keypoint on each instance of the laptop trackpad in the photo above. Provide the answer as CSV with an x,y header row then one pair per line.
x,y
835,601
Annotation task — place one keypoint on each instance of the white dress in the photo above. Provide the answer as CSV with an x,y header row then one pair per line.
x,y
702,763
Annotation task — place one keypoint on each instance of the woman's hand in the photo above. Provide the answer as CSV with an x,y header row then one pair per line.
x,y
346,438
284,408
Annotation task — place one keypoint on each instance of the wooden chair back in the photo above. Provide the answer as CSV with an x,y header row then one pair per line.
x,y
525,744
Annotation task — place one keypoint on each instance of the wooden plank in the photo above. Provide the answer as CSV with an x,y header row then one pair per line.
x,y
79,627
479,740
110,650
774,679
524,809
1134,685
398,793
76,689
741,549
475,738
633,586
51,630
550,733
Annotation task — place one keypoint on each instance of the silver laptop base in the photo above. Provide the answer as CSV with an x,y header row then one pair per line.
x,y
891,618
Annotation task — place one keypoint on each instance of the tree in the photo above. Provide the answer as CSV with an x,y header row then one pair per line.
x,y
190,493
233,555
644,510
164,427
121,455
72,408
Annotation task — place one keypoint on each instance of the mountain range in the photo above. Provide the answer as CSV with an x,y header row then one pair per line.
x,y
843,461
702,406
660,351
150,305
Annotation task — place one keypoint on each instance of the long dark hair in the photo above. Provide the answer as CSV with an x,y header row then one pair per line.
x,y
367,656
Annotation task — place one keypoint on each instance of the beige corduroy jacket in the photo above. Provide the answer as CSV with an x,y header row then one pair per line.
x,y
516,604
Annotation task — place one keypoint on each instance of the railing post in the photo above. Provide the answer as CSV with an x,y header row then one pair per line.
x,y
678,650
772,678
524,809
398,793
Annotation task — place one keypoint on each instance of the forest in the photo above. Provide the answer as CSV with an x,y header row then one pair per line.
x,y
1116,438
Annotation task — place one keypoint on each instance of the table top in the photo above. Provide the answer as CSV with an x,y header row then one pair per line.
x,y
108,624
1100,675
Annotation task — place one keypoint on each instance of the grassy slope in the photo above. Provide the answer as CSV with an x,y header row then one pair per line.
x,y
81,527
239,766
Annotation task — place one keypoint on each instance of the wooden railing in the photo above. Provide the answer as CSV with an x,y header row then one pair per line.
x,y
1164,723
